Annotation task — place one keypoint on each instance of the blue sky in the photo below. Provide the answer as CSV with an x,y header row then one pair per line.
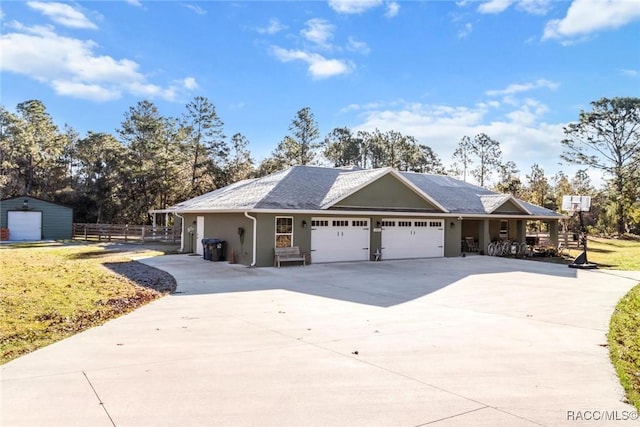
x,y
436,70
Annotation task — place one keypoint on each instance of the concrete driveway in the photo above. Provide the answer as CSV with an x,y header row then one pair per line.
x,y
475,341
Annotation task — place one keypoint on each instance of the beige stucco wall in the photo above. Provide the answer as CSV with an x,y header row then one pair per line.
x,y
386,192
452,237
509,208
267,231
225,227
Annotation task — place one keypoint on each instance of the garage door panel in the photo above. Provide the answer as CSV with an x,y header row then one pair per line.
x,y
412,238
339,239
24,225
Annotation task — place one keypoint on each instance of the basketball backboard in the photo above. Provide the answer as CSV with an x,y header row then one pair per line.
x,y
573,204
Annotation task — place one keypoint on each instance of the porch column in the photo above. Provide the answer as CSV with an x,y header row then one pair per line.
x,y
553,232
484,237
521,230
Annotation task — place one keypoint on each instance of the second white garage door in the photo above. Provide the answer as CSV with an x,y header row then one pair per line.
x,y
339,239
412,238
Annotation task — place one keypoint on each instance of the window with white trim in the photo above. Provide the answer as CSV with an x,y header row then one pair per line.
x,y
284,231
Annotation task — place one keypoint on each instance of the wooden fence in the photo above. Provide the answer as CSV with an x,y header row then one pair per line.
x,y
126,233
566,239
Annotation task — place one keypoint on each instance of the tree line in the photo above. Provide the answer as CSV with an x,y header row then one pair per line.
x,y
155,161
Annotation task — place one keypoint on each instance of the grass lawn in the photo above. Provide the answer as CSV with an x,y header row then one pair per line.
x,y
49,292
624,344
611,253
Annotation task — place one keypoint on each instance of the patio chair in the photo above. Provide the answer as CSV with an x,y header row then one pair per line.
x,y
472,246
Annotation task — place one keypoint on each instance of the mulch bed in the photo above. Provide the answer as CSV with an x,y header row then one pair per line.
x,y
144,275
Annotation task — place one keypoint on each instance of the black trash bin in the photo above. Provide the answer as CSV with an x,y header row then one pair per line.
x,y
206,249
217,249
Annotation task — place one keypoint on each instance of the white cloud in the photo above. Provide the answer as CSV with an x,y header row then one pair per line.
x,y
523,135
319,32
588,16
494,6
150,90
392,9
465,31
86,91
527,114
237,106
353,6
190,83
630,73
63,14
195,8
72,68
534,7
319,66
523,87
274,27
354,45
137,3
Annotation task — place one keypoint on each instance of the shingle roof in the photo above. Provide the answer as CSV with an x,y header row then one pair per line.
x,y
318,188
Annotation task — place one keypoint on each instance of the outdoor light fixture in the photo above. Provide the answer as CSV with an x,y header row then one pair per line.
x,y
378,224
25,204
304,223
452,225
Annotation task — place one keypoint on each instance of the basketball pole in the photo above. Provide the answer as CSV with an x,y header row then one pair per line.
x,y
581,260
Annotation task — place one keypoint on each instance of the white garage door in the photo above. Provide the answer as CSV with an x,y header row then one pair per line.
x,y
412,238
24,225
339,239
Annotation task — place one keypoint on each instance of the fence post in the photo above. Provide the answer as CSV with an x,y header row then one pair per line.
x,y
85,232
142,236
126,229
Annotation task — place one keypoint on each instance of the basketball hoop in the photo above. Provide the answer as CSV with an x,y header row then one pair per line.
x,y
579,204
573,204
575,207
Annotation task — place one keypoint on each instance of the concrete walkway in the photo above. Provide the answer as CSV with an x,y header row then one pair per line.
x,y
475,341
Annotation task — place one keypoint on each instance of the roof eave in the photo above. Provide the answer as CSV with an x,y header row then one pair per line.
x,y
325,212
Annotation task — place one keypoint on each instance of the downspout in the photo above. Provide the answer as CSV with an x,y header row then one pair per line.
x,y
182,233
255,237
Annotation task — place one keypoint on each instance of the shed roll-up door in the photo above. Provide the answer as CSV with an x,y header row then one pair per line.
x,y
24,225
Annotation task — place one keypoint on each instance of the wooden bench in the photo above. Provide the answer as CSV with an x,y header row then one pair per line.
x,y
289,254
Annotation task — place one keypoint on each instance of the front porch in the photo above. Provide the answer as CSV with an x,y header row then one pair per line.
x,y
478,234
